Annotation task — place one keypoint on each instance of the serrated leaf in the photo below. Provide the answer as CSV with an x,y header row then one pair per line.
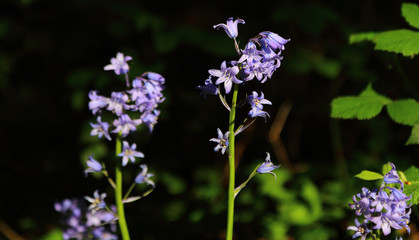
x,y
402,41
410,12
369,175
414,136
412,188
404,111
365,106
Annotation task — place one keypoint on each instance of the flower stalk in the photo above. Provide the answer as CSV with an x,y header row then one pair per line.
x,y
232,165
118,193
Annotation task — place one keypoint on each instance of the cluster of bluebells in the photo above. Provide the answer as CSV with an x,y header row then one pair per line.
x,y
259,59
130,108
82,222
384,208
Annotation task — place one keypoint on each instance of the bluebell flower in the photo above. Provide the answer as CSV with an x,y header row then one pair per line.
x,y
96,101
222,141
267,166
208,88
119,64
256,102
361,230
81,224
129,153
93,165
144,177
392,176
226,75
150,118
364,206
231,27
118,103
100,129
124,125
97,202
385,221
271,41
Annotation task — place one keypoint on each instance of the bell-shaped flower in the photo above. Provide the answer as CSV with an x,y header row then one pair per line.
x,y
208,88
119,64
124,125
231,27
129,153
144,177
97,202
267,166
100,129
97,101
222,141
361,230
226,75
93,165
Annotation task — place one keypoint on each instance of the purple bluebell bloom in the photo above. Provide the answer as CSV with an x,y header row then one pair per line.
x,y
231,27
267,166
97,202
81,224
125,125
144,177
208,88
364,206
361,230
93,165
226,75
222,141
256,102
387,207
100,129
129,153
272,41
392,176
97,102
119,64
150,119
118,103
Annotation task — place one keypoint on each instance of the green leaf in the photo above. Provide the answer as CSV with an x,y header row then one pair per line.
x,y
414,136
412,187
402,41
369,175
410,12
365,106
404,111
386,168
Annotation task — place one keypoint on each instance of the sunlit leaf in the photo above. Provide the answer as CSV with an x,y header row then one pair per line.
x,y
410,12
404,111
365,106
402,41
369,175
412,188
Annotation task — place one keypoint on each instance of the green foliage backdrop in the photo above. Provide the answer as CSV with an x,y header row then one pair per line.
x,y
53,52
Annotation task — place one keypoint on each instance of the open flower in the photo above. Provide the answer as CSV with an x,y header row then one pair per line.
x,y
119,64
226,75
144,177
231,27
125,125
97,202
100,129
129,153
267,166
222,141
361,230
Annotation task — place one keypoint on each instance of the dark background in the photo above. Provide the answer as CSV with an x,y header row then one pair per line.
x,y
52,53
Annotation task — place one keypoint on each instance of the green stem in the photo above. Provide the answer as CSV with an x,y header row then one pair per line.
x,y
118,193
231,163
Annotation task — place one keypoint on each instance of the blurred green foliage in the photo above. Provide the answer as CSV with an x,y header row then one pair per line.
x,y
52,53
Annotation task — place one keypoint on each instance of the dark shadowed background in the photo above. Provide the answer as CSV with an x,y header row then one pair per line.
x,y
52,53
